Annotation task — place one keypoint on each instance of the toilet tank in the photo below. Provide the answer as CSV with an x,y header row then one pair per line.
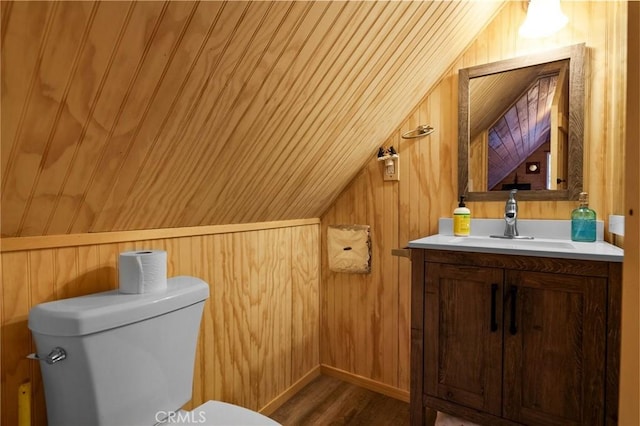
x,y
128,358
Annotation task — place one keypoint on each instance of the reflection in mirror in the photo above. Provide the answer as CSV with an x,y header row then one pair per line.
x,y
527,122
521,126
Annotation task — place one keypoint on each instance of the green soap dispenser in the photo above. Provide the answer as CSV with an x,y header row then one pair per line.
x,y
583,221
461,220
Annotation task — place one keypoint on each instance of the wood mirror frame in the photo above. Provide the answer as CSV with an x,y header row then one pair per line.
x,y
576,56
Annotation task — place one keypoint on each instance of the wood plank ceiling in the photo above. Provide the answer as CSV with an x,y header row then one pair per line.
x,y
136,115
519,129
524,128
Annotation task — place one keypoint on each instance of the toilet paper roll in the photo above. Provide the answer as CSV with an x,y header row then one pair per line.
x,y
142,271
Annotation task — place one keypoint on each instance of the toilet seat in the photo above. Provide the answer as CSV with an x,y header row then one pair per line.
x,y
217,413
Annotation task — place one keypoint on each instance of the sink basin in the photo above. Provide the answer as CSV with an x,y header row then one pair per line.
x,y
551,239
540,244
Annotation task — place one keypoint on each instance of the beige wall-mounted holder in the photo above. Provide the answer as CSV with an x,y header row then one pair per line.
x,y
349,248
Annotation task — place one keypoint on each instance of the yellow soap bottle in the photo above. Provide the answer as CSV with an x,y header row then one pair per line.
x,y
461,220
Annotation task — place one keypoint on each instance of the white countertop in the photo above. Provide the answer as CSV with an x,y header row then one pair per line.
x,y
543,244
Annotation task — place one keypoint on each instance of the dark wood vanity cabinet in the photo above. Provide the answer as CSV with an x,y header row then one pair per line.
x,y
500,339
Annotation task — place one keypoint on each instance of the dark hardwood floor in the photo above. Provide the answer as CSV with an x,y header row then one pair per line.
x,y
330,401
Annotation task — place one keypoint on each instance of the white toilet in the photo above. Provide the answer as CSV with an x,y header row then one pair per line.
x,y
127,359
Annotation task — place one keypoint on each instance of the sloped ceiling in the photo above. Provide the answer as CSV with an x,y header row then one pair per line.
x,y
514,108
491,95
122,116
524,128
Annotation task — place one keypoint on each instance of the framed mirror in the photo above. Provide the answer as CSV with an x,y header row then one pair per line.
x,y
521,125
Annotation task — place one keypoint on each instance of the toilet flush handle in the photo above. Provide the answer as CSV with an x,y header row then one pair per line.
x,y
56,354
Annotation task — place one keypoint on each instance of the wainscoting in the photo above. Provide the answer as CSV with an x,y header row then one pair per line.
x,y
259,338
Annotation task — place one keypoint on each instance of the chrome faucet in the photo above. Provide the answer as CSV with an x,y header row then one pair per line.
x,y
511,220
511,216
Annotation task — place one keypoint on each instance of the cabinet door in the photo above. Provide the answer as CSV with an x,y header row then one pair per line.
x,y
463,335
554,339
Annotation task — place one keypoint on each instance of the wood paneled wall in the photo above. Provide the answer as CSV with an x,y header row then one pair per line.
x,y
365,319
260,330
148,114
630,344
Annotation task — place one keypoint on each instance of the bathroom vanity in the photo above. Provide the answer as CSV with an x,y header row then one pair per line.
x,y
505,333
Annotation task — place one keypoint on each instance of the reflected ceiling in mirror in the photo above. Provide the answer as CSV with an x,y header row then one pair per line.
x,y
520,111
508,130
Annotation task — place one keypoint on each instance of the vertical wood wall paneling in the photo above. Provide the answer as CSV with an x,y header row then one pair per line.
x,y
408,212
428,178
360,310
630,345
305,333
260,328
15,334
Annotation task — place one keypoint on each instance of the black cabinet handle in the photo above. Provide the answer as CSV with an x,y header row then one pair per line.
x,y
513,327
494,321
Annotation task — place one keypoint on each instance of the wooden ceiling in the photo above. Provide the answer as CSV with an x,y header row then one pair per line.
x,y
521,130
514,108
137,115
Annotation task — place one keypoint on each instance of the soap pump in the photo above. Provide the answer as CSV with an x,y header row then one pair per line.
x,y
462,219
583,221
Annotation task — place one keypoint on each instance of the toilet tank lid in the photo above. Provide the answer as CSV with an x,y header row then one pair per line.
x,y
92,313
